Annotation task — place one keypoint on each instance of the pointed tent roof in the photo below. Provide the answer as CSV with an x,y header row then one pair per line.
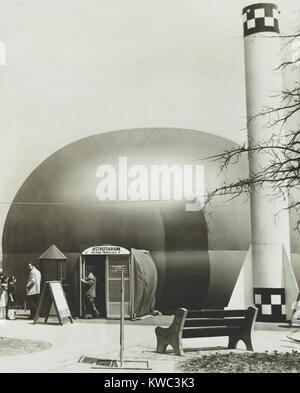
x,y
53,253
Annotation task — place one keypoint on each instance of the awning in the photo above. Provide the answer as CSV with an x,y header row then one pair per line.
x,y
106,249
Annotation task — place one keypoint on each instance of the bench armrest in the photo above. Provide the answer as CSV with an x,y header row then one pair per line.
x,y
173,334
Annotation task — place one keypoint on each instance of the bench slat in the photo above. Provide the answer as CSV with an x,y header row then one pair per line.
x,y
216,313
198,322
209,332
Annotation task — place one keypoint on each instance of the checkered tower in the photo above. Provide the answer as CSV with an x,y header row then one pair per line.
x,y
272,272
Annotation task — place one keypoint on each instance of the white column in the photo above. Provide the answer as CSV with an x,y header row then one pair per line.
x,y
269,217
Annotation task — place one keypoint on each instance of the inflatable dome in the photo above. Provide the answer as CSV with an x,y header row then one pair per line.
x,y
198,255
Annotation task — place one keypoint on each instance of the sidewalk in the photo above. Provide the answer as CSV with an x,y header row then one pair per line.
x,y
99,339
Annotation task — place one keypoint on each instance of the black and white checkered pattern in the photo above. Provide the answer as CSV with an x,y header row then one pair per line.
x,y
260,18
271,304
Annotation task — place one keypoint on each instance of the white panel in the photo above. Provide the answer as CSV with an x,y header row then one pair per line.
x,y
266,309
269,22
259,13
290,283
257,299
242,295
276,299
2,54
251,23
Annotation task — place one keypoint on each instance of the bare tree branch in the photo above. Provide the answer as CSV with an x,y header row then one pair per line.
x,y
281,171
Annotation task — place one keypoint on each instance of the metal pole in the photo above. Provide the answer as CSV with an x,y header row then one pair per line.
x,y
122,320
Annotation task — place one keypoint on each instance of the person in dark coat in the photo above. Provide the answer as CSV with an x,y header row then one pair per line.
x,y
89,287
11,290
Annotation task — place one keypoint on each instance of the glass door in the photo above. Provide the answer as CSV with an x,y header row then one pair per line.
x,y
114,265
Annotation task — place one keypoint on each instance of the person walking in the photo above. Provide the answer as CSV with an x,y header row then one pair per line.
x,y
11,291
3,296
90,283
33,289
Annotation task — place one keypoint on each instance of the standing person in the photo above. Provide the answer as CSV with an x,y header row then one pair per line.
x,y
90,287
3,296
10,314
33,289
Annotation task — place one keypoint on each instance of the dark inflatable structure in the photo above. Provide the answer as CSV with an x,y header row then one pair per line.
x,y
58,204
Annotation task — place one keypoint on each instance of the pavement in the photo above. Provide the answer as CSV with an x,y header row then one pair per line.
x,y
99,339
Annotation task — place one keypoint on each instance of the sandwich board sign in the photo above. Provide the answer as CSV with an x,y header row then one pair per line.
x,y
53,293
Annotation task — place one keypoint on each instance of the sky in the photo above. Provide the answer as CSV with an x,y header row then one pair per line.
x,y
75,68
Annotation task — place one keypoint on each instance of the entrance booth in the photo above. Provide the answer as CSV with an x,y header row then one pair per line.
x,y
53,267
106,262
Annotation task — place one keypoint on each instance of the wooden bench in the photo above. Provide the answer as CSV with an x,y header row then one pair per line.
x,y
236,324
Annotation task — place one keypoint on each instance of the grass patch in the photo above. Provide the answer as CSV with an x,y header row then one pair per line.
x,y
14,346
267,362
